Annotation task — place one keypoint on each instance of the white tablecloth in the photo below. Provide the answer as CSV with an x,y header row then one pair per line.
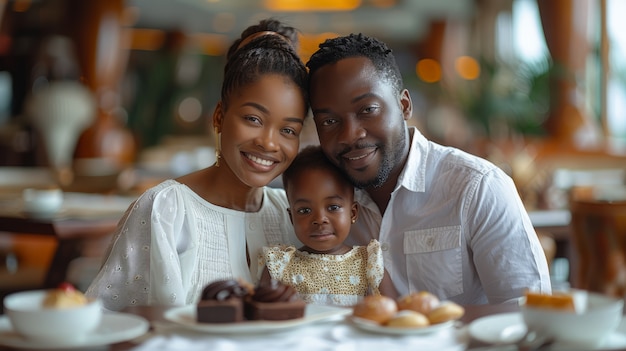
x,y
337,334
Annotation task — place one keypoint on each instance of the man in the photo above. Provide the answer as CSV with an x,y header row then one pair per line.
x,y
449,222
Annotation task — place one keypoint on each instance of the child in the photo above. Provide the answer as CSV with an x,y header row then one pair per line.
x,y
322,208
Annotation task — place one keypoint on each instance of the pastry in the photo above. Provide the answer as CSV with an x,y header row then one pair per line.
x,y
274,301
64,296
422,302
558,301
377,308
408,319
445,311
221,302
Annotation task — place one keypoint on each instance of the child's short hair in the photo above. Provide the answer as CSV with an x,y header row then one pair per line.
x,y
311,157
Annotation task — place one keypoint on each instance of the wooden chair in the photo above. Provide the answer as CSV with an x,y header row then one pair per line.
x,y
598,229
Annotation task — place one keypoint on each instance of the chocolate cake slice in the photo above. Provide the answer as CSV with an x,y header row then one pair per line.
x,y
221,302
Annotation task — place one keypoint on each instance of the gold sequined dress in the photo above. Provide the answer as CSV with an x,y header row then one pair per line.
x,y
324,278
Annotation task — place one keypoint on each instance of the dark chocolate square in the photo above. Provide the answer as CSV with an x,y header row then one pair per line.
x,y
214,311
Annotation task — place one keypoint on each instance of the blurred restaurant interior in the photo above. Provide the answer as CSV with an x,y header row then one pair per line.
x,y
105,98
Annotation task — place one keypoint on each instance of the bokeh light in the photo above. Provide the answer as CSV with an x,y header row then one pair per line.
x,y
467,67
428,70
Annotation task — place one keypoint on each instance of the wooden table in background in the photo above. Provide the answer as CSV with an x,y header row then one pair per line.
x,y
84,218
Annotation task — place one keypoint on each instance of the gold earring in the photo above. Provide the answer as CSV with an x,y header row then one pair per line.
x,y
353,220
218,147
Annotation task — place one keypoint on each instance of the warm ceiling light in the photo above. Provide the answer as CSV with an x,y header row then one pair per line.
x,y
312,5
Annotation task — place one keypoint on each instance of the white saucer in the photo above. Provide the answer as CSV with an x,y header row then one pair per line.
x,y
493,329
490,330
115,327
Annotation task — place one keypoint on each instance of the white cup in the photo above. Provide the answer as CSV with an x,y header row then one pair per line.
x,y
42,201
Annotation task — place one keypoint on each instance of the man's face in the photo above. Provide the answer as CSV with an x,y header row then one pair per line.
x,y
360,120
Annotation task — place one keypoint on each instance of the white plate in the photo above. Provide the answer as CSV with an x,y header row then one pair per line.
x,y
115,327
186,317
371,326
490,330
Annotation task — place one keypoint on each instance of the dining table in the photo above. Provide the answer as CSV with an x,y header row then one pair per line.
x,y
83,218
327,334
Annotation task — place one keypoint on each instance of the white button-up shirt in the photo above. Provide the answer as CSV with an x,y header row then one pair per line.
x,y
455,226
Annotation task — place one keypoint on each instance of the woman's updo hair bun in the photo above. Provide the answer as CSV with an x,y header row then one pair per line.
x,y
265,54
287,32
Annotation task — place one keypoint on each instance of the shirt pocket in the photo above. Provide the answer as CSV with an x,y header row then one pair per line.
x,y
434,260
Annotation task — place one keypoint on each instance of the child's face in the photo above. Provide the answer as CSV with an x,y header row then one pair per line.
x,y
322,209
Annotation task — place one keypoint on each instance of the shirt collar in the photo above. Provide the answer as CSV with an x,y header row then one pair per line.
x,y
413,176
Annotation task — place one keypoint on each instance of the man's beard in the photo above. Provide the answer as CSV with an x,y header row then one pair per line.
x,y
387,164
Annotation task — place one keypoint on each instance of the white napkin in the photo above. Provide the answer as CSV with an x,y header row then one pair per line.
x,y
331,336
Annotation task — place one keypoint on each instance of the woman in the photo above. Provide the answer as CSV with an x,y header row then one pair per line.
x,y
211,224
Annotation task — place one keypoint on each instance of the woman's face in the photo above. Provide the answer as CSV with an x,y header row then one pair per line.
x,y
260,129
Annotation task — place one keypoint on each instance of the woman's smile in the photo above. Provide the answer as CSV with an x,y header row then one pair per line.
x,y
265,162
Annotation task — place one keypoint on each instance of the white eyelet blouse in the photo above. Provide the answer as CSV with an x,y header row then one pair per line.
x,y
171,243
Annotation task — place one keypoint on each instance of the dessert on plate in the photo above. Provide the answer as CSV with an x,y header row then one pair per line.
x,y
377,308
274,301
230,301
416,310
222,302
557,300
421,301
64,296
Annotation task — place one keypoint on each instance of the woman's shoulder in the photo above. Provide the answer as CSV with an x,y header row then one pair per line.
x,y
166,186
275,197
161,191
275,193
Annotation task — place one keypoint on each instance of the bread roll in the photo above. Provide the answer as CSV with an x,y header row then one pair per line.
x,y
446,311
376,308
422,302
408,319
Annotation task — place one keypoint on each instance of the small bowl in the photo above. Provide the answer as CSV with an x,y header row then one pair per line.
x,y
30,319
596,317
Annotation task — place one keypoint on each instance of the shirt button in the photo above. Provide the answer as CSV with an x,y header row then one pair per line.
x,y
430,242
251,226
384,246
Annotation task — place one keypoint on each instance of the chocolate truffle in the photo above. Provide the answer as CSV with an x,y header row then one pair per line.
x,y
274,301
